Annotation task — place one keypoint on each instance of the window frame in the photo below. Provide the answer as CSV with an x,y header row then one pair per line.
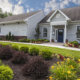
x,y
0,29
45,32
78,31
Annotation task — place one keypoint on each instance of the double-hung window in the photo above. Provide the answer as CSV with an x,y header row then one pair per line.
x,y
44,32
0,29
78,31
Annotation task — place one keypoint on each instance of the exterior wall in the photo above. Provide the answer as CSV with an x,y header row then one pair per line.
x,y
32,24
58,17
15,29
71,32
41,27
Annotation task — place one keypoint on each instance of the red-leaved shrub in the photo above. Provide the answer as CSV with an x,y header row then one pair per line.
x,y
6,53
19,58
36,68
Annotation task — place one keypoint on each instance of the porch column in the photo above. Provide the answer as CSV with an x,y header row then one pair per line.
x,y
65,33
51,33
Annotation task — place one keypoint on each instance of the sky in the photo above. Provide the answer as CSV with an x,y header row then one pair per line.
x,y
25,6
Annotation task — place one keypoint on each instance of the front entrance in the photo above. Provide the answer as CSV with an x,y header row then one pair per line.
x,y
60,35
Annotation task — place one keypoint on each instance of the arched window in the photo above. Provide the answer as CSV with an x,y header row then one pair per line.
x,y
44,32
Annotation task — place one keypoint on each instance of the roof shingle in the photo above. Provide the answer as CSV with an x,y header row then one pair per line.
x,y
72,13
19,17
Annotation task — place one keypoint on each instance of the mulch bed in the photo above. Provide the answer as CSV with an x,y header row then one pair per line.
x,y
17,69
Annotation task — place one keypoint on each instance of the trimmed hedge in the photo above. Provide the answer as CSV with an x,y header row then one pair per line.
x,y
15,47
25,49
6,73
46,54
34,51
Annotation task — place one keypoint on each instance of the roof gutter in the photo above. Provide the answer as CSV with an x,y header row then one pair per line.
x,y
12,21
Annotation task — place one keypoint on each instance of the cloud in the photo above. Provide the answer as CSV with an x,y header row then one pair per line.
x,y
18,9
8,7
58,4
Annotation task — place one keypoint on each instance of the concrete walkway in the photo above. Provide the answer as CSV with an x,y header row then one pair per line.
x,y
57,45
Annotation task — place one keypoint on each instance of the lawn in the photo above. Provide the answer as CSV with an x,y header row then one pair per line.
x,y
64,52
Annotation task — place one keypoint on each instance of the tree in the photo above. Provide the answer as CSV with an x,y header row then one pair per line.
x,y
4,14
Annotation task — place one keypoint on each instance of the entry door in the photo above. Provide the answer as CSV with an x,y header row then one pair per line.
x,y
60,35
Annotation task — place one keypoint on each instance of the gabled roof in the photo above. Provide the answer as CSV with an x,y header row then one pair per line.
x,y
19,17
72,13
55,13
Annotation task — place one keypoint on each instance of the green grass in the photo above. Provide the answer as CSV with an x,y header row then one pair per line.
x,y
64,52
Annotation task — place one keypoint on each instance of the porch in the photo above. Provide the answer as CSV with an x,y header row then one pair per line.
x,y
58,31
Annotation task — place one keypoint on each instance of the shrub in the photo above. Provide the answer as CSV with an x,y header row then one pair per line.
x,y
36,68
46,54
9,36
33,40
6,53
15,47
24,40
25,49
34,51
6,73
66,70
1,46
19,58
62,72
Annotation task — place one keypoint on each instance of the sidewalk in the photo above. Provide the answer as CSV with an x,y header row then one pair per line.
x,y
48,44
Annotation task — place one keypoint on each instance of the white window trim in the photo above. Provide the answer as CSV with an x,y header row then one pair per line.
x,y
76,31
0,29
45,32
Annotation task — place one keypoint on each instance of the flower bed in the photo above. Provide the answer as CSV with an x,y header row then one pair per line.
x,y
31,63
73,44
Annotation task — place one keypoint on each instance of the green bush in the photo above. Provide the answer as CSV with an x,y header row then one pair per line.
x,y
66,70
74,43
33,40
46,54
46,40
62,72
15,47
9,36
34,51
6,73
24,48
22,40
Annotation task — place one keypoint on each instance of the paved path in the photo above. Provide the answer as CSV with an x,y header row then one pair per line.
x,y
48,44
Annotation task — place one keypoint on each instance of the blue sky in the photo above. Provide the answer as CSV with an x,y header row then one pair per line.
x,y
23,6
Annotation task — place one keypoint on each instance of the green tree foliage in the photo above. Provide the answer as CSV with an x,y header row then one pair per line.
x,y
4,14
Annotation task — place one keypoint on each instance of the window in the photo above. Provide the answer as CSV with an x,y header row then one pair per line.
x,y
78,31
44,32
0,30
